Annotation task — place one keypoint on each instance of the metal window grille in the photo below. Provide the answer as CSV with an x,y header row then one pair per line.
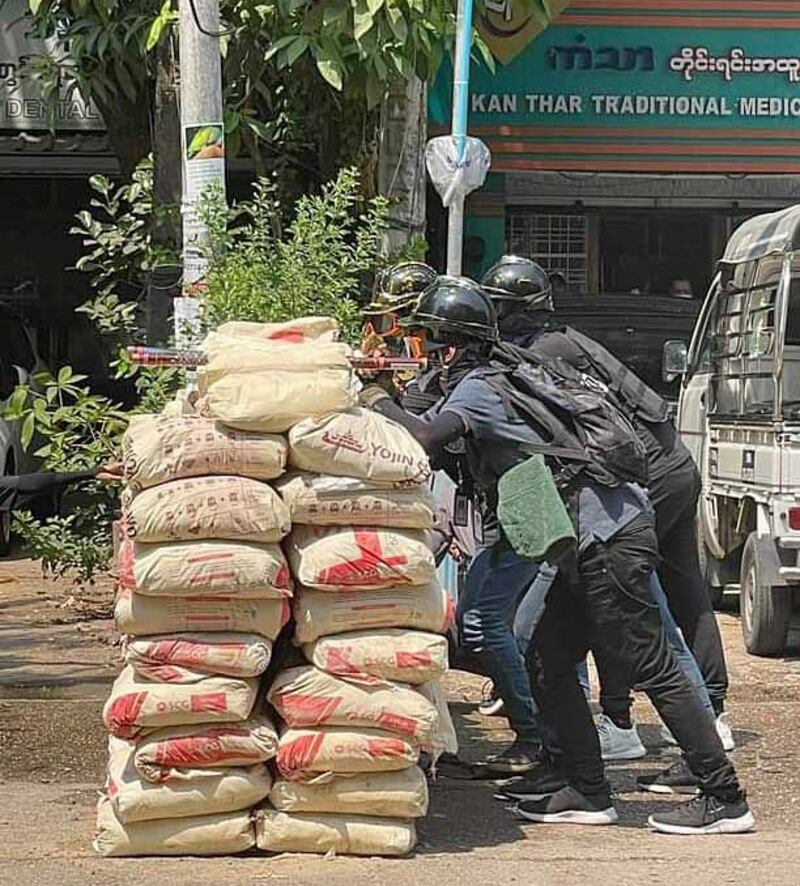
x,y
556,242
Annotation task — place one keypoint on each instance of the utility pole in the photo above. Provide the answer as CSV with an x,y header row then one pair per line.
x,y
202,147
455,220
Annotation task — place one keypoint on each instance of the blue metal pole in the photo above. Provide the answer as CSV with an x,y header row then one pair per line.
x,y
455,228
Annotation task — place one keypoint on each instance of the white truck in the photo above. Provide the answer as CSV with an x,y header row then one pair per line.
x,y
739,414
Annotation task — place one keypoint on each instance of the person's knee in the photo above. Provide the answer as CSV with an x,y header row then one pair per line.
x,y
480,628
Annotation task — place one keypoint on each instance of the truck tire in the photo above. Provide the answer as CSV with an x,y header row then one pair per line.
x,y
766,611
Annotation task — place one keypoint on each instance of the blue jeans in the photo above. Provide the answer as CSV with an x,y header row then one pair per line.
x,y
496,583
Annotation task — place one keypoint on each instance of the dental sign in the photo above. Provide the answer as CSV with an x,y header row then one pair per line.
x,y
639,86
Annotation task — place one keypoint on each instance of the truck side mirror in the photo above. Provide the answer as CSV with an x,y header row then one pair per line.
x,y
674,359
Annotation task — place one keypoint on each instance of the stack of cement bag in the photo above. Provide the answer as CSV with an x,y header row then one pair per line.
x,y
369,617
204,592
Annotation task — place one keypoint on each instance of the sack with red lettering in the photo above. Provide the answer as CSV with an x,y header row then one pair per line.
x,y
307,696
410,657
346,501
337,558
401,794
301,331
161,753
340,834
304,753
221,834
423,608
359,443
231,655
270,386
232,508
137,615
158,448
189,792
136,704
204,569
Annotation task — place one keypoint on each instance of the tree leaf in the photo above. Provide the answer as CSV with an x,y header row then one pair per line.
x,y
28,428
331,72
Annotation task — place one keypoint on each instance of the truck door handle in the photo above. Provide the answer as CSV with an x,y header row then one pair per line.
x,y
703,401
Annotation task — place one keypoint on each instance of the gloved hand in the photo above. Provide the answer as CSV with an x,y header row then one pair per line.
x,y
371,395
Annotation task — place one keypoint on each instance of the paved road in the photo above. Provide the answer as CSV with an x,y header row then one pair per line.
x,y
56,662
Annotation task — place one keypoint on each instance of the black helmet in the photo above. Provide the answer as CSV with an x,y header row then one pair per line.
x,y
455,309
397,288
518,283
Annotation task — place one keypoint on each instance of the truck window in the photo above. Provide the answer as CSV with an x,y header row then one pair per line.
x,y
793,315
760,324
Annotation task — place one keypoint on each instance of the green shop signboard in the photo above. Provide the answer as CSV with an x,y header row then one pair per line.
x,y
640,86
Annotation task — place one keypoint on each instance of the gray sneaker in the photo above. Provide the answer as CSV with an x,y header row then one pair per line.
x,y
705,815
619,744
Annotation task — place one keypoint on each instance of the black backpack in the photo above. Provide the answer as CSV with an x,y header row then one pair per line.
x,y
580,417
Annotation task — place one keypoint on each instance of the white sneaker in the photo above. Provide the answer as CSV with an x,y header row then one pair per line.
x,y
619,744
724,732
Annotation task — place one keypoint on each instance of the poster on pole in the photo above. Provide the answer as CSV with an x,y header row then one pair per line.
x,y
203,168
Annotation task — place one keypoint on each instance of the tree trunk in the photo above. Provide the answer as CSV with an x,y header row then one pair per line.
x,y
401,169
164,283
128,128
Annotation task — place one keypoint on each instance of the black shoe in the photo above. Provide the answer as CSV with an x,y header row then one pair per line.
x,y
518,759
705,815
540,782
569,806
677,779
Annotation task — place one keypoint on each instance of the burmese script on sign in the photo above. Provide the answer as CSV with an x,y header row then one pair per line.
x,y
570,104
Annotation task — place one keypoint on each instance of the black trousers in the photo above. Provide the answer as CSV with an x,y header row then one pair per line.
x,y
674,499
609,609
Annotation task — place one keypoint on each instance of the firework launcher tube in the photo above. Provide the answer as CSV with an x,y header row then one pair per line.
x,y
143,356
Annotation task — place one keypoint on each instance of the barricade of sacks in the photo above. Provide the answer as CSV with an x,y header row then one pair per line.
x,y
210,571
370,619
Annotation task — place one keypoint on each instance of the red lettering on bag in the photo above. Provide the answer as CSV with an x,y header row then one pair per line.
x,y
386,748
343,441
295,756
397,723
290,336
413,660
125,564
210,703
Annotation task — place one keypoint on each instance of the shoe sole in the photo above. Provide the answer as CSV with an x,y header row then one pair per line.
x,y
668,789
604,817
505,769
525,798
625,755
740,825
492,710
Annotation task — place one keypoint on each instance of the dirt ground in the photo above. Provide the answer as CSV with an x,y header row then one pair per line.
x,y
58,656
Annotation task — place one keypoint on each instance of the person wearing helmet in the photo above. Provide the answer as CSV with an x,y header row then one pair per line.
x,y
520,290
396,292
608,606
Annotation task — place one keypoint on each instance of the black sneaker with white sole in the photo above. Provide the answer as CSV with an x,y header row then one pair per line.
x,y
676,779
518,759
705,815
540,782
569,806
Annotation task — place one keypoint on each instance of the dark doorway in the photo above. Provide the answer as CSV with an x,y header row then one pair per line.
x,y
647,250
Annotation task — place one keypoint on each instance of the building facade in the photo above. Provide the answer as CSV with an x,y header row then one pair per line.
x,y
631,137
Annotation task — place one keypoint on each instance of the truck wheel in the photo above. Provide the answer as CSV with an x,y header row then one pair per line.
x,y
765,610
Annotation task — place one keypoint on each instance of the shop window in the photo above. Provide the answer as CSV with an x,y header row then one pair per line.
x,y
558,242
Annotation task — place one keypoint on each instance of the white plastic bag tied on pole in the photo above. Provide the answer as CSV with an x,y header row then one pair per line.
x,y
455,177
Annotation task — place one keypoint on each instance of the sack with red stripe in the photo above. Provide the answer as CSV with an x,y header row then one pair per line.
x,y
136,704
401,794
320,614
159,448
359,443
269,386
346,501
221,834
302,331
232,508
339,834
137,614
165,752
204,569
359,558
231,655
305,753
386,654
189,792
307,696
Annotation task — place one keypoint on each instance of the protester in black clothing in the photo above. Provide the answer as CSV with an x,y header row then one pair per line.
x,y
521,292
609,606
